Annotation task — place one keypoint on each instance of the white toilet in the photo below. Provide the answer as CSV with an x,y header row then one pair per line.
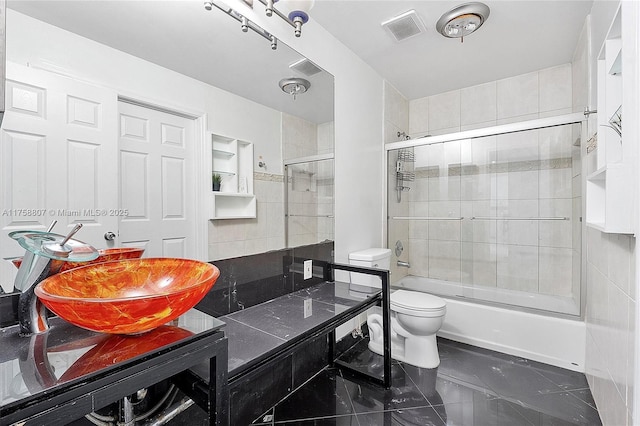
x,y
415,317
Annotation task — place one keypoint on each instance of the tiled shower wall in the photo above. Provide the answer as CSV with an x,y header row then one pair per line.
x,y
524,97
549,252
241,237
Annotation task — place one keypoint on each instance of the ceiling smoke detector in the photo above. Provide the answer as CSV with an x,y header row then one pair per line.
x,y
462,20
294,86
404,26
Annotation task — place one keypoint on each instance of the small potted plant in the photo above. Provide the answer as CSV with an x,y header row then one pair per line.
x,y
216,179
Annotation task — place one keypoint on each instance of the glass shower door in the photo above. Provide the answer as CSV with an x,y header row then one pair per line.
x,y
309,200
494,218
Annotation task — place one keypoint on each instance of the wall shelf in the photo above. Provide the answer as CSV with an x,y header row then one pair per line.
x,y
222,153
232,159
224,173
232,206
616,65
610,188
609,199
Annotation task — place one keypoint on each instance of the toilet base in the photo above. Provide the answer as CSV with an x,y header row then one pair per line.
x,y
418,350
428,358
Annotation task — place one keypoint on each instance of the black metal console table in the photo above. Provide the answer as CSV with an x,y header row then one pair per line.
x,y
61,375
276,338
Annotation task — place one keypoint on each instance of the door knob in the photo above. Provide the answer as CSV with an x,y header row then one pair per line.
x,y
109,236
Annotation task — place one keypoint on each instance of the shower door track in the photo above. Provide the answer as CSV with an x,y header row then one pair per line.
x,y
308,159
540,123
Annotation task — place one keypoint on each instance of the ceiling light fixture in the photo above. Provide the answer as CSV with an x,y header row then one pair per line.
x,y
298,15
245,23
462,20
298,12
294,86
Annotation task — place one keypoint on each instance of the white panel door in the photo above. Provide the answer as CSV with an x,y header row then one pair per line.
x,y
58,157
155,168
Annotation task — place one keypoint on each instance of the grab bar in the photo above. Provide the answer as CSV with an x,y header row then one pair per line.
x,y
517,218
425,218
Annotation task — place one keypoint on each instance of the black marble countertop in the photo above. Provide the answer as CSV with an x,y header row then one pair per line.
x,y
258,330
67,356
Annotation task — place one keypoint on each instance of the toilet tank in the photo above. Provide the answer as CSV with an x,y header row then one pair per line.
x,y
379,258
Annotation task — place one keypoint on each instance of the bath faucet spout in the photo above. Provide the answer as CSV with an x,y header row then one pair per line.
x,y
44,256
32,314
404,264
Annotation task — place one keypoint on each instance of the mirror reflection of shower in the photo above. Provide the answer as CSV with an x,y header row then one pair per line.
x,y
309,200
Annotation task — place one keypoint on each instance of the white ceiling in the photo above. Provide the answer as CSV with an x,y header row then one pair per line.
x,y
182,36
519,37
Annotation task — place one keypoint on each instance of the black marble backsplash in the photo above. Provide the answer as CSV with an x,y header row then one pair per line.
x,y
250,280
244,281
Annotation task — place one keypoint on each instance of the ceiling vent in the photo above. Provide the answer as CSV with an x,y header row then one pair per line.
x,y
305,67
404,26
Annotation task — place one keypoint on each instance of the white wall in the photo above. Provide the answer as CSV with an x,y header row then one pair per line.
x,y
611,305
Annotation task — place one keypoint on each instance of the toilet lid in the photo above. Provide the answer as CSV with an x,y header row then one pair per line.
x,y
417,300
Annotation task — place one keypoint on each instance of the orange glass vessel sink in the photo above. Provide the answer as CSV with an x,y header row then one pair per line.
x,y
127,296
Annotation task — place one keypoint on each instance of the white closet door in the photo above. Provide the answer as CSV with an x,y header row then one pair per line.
x,y
58,157
155,168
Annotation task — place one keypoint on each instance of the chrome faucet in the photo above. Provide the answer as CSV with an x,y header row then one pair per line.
x,y
405,264
44,256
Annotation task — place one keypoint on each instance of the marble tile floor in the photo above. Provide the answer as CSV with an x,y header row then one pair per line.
x,y
472,386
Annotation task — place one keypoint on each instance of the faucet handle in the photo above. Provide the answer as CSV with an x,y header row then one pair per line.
x,y
71,234
59,249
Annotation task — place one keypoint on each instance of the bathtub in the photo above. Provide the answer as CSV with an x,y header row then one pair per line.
x,y
513,330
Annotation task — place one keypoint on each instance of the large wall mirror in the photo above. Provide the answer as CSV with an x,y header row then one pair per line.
x,y
73,137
